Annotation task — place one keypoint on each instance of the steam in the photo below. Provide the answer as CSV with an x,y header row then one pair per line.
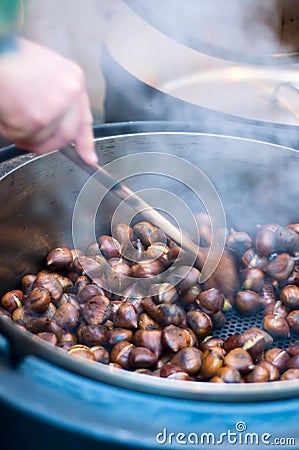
x,y
156,66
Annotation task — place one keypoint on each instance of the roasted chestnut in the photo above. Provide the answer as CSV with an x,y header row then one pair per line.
x,y
275,325
59,258
200,323
239,359
12,300
211,301
248,302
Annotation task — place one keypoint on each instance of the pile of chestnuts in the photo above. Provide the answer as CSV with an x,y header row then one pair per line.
x,y
91,305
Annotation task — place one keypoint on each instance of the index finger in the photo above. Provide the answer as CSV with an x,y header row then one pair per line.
x,y
84,139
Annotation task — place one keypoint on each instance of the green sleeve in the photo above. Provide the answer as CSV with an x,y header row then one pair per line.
x,y
9,17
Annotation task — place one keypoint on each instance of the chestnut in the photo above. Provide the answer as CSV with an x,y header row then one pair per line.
x,y
209,342
118,276
20,316
290,374
268,293
38,300
27,282
147,323
49,282
141,357
66,345
59,258
231,342
158,250
219,320
151,308
200,323
259,374
211,301
175,338
126,316
90,335
183,277
280,267
65,282
277,326
164,293
239,359
47,336
122,233
182,376
146,232
80,283
109,246
120,353
170,369
293,348
68,336
293,320
147,269
251,259
133,251
119,334
212,360
168,313
254,344
151,339
164,359
248,302
81,351
12,300
228,374
287,240
67,316
265,241
174,253
290,296
253,279
273,371
255,341
293,362
100,353
277,308
85,293
189,359
293,278
96,310
278,357
89,266
190,295
42,324
239,241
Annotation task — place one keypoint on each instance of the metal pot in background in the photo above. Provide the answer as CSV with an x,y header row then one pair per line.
x,y
66,403
155,77
252,31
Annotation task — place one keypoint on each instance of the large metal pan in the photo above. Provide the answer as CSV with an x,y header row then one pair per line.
x,y
257,182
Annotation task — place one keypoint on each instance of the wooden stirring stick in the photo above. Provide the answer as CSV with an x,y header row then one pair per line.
x,y
224,276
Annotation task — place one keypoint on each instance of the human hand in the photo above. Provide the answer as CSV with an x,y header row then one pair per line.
x,y
43,101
